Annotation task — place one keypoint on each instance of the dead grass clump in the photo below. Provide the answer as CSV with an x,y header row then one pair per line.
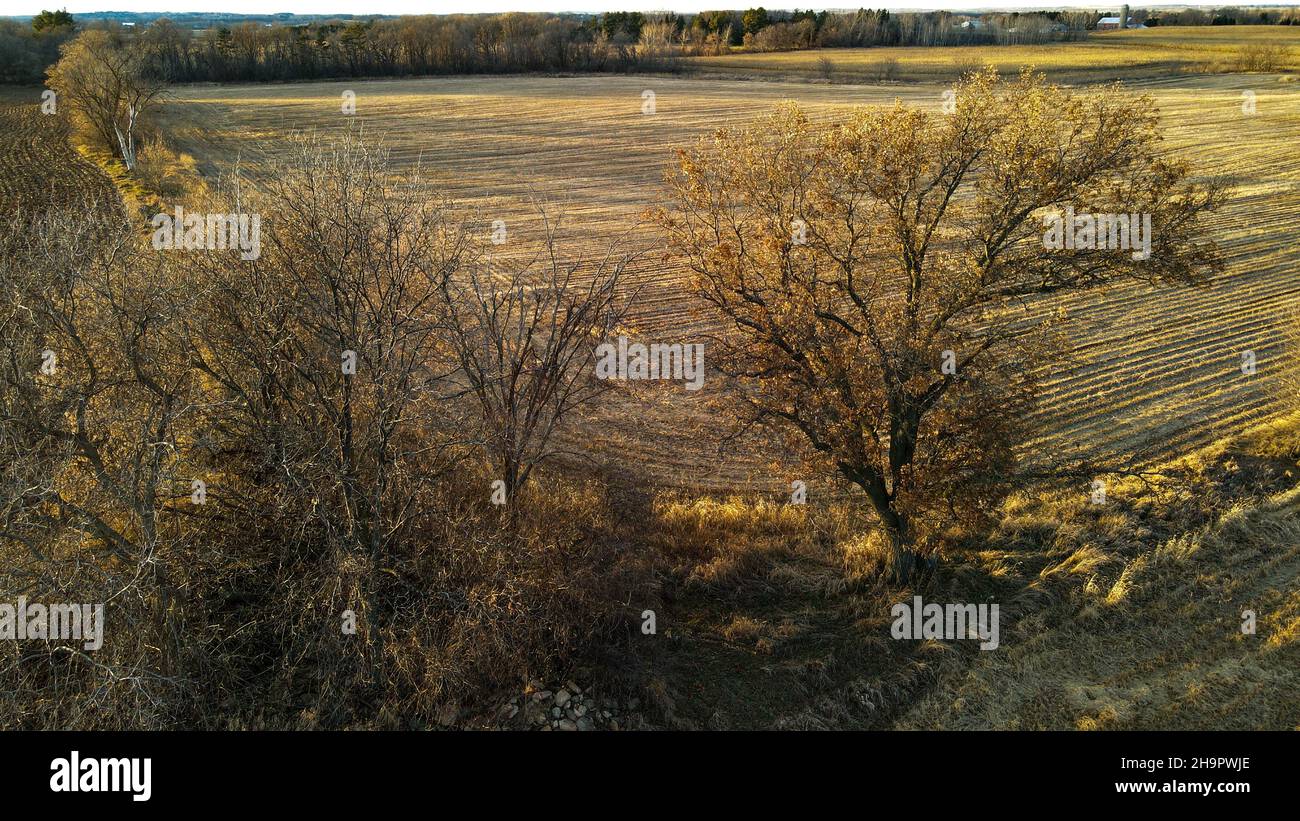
x,y
166,172
753,632
720,543
866,556
1262,57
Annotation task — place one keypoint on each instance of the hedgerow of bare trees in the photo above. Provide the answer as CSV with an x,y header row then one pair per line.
x,y
848,264
268,468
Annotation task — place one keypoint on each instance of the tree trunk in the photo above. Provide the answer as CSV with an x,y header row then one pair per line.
x,y
904,561
126,142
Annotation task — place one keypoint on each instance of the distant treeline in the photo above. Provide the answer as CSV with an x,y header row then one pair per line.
x,y
513,42
1226,16
27,49
519,42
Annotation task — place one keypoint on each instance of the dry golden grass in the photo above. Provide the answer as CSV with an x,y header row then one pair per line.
x,y
761,626
1160,649
1132,617
1130,55
137,197
1126,615
720,543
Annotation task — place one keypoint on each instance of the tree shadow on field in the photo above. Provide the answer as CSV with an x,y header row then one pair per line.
x,y
764,629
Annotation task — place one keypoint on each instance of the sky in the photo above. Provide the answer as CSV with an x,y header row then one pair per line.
x,y
28,7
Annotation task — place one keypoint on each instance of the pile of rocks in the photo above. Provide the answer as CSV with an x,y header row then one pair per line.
x,y
569,708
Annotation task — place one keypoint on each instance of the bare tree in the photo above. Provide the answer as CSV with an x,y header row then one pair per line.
x,y
328,343
324,372
524,332
109,85
94,401
880,281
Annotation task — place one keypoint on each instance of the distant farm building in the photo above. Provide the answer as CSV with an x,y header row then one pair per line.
x,y
1108,23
